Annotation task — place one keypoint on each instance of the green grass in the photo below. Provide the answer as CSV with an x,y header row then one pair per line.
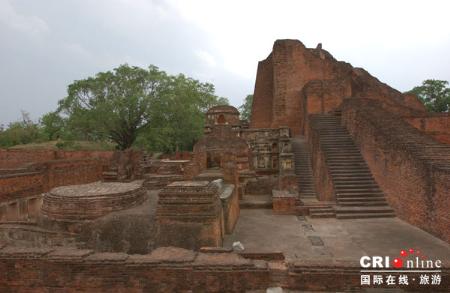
x,y
67,145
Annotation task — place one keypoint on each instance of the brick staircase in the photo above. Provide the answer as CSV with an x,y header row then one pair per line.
x,y
110,174
357,193
256,201
303,170
324,211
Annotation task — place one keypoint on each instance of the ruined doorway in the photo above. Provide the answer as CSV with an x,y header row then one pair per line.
x,y
221,119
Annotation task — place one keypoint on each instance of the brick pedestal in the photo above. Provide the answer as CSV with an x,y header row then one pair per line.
x,y
189,215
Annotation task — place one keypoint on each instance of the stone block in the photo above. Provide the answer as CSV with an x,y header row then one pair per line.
x,y
189,215
284,202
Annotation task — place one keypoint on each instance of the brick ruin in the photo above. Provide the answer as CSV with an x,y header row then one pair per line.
x,y
326,140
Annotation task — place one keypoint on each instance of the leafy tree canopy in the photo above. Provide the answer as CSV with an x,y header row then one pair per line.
x,y
435,95
132,105
246,108
19,132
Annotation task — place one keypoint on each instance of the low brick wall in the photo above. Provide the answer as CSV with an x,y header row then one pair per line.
x,y
189,215
174,270
412,169
230,208
11,158
435,125
47,175
284,203
17,158
322,179
14,186
165,270
21,209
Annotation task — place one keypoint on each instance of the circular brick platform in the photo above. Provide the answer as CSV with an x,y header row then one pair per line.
x,y
78,203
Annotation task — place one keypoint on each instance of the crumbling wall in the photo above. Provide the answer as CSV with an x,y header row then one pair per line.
x,y
262,104
12,158
282,79
45,176
435,125
322,179
412,169
165,270
13,186
171,269
322,96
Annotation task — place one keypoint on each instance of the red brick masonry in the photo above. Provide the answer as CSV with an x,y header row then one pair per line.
x,y
412,169
172,270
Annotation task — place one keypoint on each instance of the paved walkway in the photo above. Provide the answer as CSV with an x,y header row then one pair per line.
x,y
328,239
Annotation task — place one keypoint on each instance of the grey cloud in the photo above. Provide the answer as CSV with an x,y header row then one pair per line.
x,y
85,37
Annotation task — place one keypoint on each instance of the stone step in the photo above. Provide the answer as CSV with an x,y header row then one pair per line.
x,y
321,209
344,172
365,215
359,194
348,167
330,139
355,185
354,159
337,143
354,180
363,210
343,157
361,198
340,151
255,204
337,178
343,169
363,203
322,215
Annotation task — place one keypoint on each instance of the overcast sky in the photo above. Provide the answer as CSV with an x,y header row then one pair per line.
x,y
45,45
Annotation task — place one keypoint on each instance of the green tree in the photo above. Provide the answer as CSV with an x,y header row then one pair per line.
x,y
53,126
246,108
178,114
20,132
113,104
434,94
144,107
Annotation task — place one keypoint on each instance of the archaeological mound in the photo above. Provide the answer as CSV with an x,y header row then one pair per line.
x,y
76,204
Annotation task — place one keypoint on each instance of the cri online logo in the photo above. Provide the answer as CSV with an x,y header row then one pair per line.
x,y
409,259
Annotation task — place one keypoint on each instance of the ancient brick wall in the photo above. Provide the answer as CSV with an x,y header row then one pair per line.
x,y
70,172
281,98
10,159
435,125
15,186
174,270
165,270
412,169
21,209
262,105
189,215
322,180
48,175
322,96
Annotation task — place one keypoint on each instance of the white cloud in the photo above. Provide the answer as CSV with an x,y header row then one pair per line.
x,y
31,25
206,58
47,44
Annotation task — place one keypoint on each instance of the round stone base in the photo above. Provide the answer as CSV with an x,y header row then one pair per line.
x,y
74,204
